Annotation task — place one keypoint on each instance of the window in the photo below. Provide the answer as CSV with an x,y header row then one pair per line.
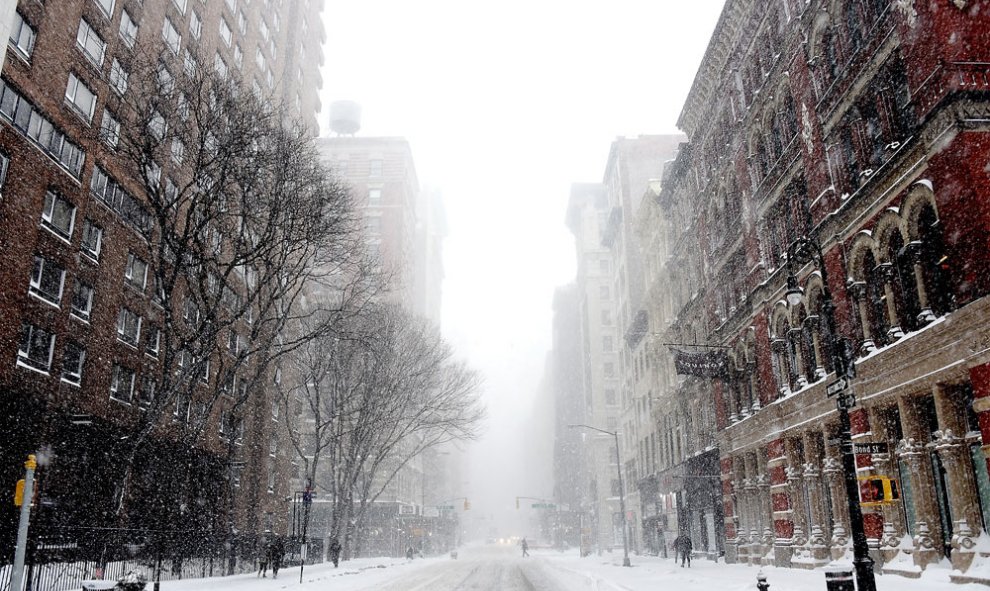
x,y
136,272
225,33
241,22
72,363
118,77
274,410
128,29
609,369
4,164
157,126
182,404
610,396
180,5
109,129
22,36
178,149
190,312
238,56
106,6
82,300
232,5
376,168
233,343
607,344
189,63
273,447
122,383
35,348
259,58
195,25
147,394
128,327
263,27
171,36
374,196
153,343
220,66
58,215
603,292
90,43
81,97
47,279
607,317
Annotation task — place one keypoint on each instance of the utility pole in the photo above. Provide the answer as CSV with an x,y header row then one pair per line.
x,y
17,572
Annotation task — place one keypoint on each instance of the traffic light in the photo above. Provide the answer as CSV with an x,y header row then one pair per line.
x,y
875,491
467,505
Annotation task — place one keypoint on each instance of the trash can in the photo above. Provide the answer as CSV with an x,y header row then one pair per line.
x,y
839,579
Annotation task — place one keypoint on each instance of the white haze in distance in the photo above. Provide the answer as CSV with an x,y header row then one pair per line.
x,y
505,104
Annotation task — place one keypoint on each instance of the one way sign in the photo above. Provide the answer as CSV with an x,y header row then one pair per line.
x,y
839,385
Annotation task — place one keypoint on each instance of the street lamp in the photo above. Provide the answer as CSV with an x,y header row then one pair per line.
x,y
802,251
622,499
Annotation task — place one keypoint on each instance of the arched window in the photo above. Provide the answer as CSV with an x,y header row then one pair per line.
x,y
933,263
781,353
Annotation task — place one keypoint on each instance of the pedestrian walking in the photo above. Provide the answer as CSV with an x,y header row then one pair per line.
x,y
263,559
682,548
335,552
525,547
276,550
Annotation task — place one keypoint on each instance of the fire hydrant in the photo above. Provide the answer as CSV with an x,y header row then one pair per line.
x,y
761,582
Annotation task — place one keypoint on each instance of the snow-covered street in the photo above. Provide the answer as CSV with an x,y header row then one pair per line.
x,y
500,568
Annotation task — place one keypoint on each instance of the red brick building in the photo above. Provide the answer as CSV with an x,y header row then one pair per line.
x,y
861,125
77,344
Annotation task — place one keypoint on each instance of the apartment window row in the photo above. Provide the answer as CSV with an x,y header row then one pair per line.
x,y
80,97
124,386
22,114
58,215
91,44
109,191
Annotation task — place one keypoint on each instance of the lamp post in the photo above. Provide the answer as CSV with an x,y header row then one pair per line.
x,y
803,251
622,498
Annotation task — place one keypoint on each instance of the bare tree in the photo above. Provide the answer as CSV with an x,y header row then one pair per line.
x,y
380,393
241,224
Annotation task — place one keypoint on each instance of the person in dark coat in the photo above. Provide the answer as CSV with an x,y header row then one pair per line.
x,y
335,552
683,547
525,547
276,550
263,559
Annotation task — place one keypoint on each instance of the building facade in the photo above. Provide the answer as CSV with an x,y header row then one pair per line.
x,y
74,366
861,127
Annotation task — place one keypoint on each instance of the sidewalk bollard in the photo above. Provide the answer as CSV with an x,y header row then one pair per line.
x,y
839,579
761,582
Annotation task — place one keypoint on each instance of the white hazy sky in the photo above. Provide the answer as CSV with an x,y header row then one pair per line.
x,y
505,104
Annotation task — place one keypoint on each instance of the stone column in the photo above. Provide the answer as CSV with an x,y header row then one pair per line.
x,y
813,324
817,544
927,543
857,290
779,357
886,272
839,543
963,496
913,250
794,336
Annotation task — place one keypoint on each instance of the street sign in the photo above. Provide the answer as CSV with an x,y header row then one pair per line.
x,y
431,512
870,448
543,506
846,401
839,385
833,441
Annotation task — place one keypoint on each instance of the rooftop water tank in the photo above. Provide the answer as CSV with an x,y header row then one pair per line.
x,y
345,117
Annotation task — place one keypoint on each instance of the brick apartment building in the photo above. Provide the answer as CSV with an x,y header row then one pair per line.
x,y
862,125
73,365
